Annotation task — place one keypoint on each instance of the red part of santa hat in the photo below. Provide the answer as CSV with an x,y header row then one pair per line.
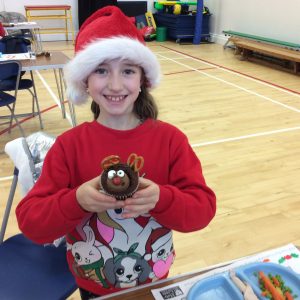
x,y
107,34
105,23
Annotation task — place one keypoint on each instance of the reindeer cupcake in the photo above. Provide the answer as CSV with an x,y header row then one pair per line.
x,y
121,180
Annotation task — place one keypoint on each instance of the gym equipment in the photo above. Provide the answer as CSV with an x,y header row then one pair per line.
x,y
161,34
150,19
261,39
177,9
175,2
158,6
197,30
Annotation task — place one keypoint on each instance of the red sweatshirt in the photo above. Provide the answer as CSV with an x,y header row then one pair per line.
x,y
106,252
2,30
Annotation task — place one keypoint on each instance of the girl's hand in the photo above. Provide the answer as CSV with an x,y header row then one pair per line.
x,y
143,200
91,199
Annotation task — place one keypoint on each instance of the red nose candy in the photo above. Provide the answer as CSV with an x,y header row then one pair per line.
x,y
116,181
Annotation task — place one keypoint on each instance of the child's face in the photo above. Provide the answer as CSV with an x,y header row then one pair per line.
x,y
115,86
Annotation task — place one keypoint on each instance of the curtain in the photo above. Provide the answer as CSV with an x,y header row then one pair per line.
x,y
87,7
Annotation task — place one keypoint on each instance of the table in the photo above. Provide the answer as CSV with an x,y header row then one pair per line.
x,y
33,27
144,292
55,62
275,255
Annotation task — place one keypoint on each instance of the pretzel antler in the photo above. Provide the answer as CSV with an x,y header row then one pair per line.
x,y
110,161
135,162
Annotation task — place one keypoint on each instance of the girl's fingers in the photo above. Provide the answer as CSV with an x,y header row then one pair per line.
x,y
143,183
95,182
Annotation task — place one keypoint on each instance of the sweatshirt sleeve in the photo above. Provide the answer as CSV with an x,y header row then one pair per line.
x,y
186,203
50,209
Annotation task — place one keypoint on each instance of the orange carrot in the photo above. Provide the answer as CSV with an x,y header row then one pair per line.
x,y
264,293
288,296
276,281
270,287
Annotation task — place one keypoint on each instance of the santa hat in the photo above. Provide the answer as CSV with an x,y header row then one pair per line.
x,y
106,35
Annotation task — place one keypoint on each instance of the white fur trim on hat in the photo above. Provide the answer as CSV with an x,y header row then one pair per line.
x,y
98,51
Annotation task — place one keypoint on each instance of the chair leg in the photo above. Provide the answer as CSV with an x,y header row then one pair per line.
x,y
12,112
9,204
36,101
33,102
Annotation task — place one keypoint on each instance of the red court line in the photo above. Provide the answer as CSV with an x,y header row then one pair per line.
x,y
234,71
28,118
194,57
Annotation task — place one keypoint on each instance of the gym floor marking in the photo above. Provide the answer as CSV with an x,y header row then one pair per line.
x,y
191,69
54,97
237,73
238,86
246,90
242,137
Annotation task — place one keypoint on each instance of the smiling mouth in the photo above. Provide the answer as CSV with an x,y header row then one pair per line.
x,y
115,98
129,281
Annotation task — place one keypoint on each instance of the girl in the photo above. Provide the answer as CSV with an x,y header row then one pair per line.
x,y
115,244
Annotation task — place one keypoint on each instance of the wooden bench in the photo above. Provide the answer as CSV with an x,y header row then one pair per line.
x,y
247,48
43,14
260,38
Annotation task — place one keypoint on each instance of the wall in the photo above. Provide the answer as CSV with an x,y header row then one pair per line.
x,y
275,19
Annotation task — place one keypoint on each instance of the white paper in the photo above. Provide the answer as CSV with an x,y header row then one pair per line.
x,y
15,56
288,256
25,23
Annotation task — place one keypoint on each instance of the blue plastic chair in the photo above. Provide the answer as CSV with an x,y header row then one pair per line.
x,y
29,271
11,81
7,69
8,79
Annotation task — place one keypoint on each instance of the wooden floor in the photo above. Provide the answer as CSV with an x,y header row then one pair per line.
x,y
243,121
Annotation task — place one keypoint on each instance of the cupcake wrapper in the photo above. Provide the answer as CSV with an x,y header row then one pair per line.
x,y
119,197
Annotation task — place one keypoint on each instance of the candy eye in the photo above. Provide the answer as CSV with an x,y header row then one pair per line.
x,y
121,173
111,174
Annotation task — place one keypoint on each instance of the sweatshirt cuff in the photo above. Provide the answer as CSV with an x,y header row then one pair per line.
x,y
164,202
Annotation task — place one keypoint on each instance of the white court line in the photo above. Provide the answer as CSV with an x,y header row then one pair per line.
x,y
236,86
6,178
221,141
233,72
56,100
203,143
242,137
246,90
178,58
163,51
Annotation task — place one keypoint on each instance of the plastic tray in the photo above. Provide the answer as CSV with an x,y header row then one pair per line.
x,y
249,273
218,287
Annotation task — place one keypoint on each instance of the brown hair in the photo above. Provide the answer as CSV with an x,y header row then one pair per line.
x,y
144,106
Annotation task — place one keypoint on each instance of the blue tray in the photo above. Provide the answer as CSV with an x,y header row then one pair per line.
x,y
217,287
249,272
